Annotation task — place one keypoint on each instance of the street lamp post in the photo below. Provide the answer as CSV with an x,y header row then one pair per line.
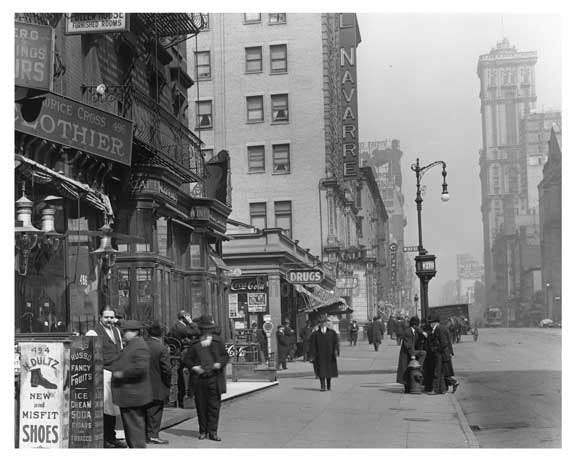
x,y
426,263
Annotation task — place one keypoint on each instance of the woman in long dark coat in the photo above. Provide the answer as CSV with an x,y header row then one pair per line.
x,y
324,348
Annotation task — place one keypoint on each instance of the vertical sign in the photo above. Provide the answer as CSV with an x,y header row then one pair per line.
x,y
349,40
34,54
42,396
86,393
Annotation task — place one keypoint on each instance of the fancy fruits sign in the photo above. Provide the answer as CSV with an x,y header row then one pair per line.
x,y
34,54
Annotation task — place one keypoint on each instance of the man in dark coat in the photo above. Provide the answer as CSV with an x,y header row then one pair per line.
x,y
305,333
131,388
160,377
283,344
409,351
441,345
324,348
291,335
206,358
353,332
377,329
111,338
185,331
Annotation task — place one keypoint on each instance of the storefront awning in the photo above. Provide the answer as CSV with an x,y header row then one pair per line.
x,y
328,304
219,262
66,186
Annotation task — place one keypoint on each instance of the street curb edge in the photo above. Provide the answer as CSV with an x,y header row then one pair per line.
x,y
468,433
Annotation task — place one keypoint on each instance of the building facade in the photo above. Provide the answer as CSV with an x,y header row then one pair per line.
x,y
550,195
278,91
105,154
507,94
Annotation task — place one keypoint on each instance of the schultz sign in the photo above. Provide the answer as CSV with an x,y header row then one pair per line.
x,y
309,276
73,124
34,53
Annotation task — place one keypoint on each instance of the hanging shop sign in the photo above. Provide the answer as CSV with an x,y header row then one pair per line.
x,y
34,54
308,276
249,284
73,124
43,422
96,23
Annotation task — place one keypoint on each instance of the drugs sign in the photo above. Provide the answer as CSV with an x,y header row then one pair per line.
x,y
309,276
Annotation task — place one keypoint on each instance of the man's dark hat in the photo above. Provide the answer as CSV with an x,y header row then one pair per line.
x,y
434,318
155,330
206,322
131,325
182,314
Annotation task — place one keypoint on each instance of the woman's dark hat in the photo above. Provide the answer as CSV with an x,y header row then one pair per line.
x,y
206,322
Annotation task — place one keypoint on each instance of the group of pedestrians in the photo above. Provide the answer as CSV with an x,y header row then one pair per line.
x,y
137,376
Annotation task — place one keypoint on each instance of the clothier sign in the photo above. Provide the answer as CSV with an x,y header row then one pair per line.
x,y
73,124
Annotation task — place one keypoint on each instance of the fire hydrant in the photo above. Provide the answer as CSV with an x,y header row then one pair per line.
x,y
414,378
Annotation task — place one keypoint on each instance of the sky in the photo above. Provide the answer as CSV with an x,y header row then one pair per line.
x,y
417,83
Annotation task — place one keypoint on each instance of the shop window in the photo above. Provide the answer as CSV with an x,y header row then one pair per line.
x,y
279,107
181,237
281,158
196,246
143,308
278,59
256,159
162,236
258,215
283,217
123,291
203,67
141,226
254,59
204,114
255,109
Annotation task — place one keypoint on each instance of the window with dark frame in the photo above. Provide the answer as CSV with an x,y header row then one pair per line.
x,y
258,215
277,18
203,67
252,18
254,59
279,107
283,217
256,159
255,109
281,158
278,59
203,114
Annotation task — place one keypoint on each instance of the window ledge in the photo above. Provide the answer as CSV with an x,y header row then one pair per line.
x,y
201,128
283,72
277,23
204,79
280,173
254,122
280,122
253,72
256,172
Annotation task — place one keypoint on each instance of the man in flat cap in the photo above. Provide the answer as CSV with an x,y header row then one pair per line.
x,y
206,358
131,387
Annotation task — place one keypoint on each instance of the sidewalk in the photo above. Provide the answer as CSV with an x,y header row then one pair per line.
x,y
365,409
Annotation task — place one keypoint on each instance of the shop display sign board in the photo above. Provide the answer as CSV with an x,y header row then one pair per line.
x,y
86,393
96,23
73,124
42,397
34,53
257,302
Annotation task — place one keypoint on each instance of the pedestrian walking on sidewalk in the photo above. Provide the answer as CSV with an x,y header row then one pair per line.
x,y
283,343
324,350
409,350
305,334
441,345
353,332
160,377
111,346
207,358
376,332
291,335
131,387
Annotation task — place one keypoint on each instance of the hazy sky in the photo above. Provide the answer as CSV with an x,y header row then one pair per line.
x,y
417,83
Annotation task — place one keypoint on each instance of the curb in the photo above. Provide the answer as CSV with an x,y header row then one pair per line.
x,y
468,434
251,391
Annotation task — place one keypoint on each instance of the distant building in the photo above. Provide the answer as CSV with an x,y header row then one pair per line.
x,y
550,194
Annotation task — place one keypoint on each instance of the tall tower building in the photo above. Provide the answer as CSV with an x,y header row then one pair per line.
x,y
507,94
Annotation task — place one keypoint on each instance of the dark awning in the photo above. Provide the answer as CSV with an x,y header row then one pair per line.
x,y
328,305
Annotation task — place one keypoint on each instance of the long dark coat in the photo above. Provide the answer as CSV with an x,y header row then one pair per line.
x,y
283,342
411,342
160,370
324,348
216,353
133,389
377,332
442,346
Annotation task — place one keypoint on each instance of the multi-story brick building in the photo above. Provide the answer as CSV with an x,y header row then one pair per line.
x,y
278,91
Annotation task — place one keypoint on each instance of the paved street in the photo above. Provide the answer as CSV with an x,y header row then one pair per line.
x,y
511,387
365,409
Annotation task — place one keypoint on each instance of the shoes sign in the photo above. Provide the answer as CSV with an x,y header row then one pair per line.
x,y
42,395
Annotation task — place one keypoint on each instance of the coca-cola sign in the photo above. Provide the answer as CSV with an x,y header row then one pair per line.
x,y
249,284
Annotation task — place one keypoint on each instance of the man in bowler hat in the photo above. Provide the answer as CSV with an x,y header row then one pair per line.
x,y
441,346
324,349
131,388
206,358
160,377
